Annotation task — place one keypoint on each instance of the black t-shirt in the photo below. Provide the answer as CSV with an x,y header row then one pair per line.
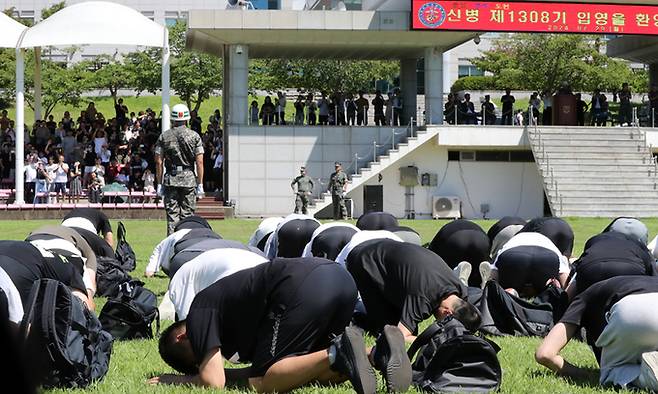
x,y
612,254
401,282
95,216
293,237
589,308
24,265
376,221
229,313
96,243
331,241
194,236
555,229
502,223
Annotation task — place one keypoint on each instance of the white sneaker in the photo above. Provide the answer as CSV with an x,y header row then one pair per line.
x,y
648,378
167,309
485,272
463,271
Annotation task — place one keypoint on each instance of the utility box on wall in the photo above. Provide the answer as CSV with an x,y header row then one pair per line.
x,y
409,176
428,179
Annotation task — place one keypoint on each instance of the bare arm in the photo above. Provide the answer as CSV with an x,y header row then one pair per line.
x,y
109,238
548,353
409,337
158,169
199,169
211,374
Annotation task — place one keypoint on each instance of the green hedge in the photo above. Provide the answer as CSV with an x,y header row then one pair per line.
x,y
472,83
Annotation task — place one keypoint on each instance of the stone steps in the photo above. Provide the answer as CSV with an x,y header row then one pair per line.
x,y
598,171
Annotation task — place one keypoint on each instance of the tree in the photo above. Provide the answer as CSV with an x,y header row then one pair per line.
x,y
543,62
108,73
61,84
319,75
194,76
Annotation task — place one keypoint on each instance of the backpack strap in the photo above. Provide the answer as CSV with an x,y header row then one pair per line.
x,y
121,233
424,338
48,324
28,316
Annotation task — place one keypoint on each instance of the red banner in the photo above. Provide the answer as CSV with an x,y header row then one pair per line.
x,y
528,16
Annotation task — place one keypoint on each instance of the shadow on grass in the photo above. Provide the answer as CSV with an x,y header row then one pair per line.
x,y
589,380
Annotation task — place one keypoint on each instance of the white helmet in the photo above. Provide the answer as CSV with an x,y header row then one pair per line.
x,y
180,112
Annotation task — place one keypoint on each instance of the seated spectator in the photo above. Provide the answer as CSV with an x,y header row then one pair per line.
x,y
267,112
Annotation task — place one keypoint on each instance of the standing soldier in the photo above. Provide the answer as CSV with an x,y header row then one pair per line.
x,y
179,150
337,184
304,189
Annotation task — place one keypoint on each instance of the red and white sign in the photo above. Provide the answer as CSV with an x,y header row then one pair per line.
x,y
542,17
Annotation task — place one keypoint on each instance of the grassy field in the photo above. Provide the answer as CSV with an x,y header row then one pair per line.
x,y
135,361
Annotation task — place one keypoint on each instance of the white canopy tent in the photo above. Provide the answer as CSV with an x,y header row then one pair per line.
x,y
90,23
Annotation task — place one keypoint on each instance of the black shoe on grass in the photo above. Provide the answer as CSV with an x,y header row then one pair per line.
x,y
390,358
347,356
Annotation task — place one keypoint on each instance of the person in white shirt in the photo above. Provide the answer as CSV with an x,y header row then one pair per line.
x,y
61,177
263,232
361,237
204,270
527,263
164,251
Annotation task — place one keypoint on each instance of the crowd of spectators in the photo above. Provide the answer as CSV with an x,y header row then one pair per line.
x,y
540,109
336,109
72,158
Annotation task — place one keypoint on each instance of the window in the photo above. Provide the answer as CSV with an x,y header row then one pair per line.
x,y
149,14
171,17
514,156
469,71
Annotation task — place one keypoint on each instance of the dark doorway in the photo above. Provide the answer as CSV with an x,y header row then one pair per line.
x,y
373,198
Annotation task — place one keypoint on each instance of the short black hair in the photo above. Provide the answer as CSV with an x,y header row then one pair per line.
x,y
467,314
173,353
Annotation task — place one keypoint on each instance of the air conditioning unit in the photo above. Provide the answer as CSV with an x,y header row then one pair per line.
x,y
446,207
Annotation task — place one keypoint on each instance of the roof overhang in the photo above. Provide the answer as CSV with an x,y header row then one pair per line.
x,y
641,49
316,34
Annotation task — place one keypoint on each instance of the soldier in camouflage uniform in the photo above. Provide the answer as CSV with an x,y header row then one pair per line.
x,y
337,183
304,190
179,150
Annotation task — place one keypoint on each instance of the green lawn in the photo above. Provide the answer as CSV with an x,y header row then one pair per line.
x,y
134,361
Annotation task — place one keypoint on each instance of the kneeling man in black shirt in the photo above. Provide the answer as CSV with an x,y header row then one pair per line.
x,y
403,284
620,317
287,318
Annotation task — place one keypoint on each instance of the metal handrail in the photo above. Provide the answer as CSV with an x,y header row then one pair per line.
x,y
534,137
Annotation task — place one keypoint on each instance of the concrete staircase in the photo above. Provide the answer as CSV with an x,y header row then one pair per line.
x,y
596,172
211,209
371,169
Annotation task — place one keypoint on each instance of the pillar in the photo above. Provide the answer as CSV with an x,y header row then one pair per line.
x,y
37,84
653,74
409,89
19,175
434,85
166,119
238,86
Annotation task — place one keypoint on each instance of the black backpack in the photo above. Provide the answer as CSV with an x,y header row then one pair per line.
x,y
64,341
109,275
452,359
124,252
130,315
505,314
